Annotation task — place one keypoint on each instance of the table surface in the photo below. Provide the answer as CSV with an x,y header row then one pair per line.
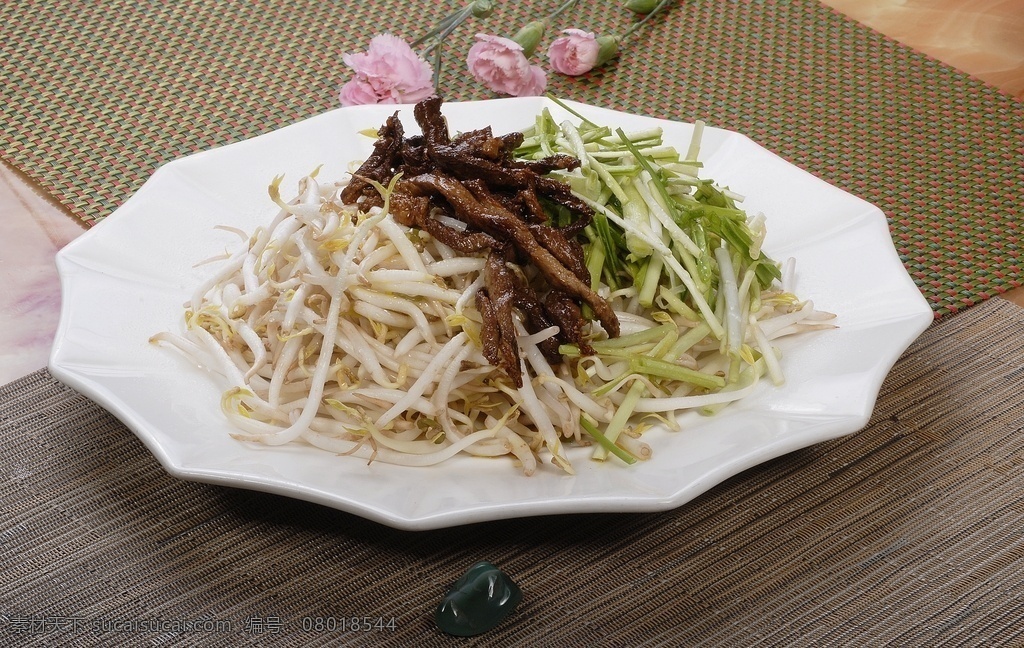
x,y
982,39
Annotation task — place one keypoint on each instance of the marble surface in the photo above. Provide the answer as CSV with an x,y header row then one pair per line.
x,y
984,38
32,230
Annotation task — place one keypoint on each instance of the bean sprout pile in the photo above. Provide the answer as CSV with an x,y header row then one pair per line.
x,y
350,332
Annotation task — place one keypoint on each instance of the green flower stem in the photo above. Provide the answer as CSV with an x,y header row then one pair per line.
x,y
435,47
531,34
651,281
677,304
565,5
437,35
455,18
661,5
572,112
437,53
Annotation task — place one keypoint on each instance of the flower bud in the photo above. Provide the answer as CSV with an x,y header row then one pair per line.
x,y
641,6
482,8
529,37
609,49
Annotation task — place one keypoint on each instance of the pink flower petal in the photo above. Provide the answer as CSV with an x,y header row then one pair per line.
x,y
499,64
575,53
388,72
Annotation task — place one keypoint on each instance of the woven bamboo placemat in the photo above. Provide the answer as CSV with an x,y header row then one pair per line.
x,y
907,533
95,96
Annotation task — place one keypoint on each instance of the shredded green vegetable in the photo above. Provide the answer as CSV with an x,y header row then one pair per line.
x,y
682,248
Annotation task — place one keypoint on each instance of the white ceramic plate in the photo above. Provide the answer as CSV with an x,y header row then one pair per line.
x,y
128,277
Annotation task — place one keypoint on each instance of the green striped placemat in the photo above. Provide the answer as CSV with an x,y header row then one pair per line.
x,y
95,96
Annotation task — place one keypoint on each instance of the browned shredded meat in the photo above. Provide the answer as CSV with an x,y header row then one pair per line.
x,y
379,165
504,225
473,177
498,333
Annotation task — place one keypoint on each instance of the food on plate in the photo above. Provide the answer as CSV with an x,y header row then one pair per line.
x,y
494,295
472,195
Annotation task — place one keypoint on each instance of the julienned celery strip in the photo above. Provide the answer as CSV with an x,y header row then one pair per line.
x,y
678,305
672,371
709,207
642,161
640,337
695,246
595,134
690,338
664,345
681,273
569,110
609,181
649,341
605,443
649,283
693,152
573,351
635,211
729,287
750,373
666,352
621,417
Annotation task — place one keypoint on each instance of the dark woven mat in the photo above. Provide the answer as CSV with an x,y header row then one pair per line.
x,y
95,96
905,534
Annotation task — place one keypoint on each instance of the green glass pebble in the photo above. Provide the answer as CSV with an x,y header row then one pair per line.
x,y
479,601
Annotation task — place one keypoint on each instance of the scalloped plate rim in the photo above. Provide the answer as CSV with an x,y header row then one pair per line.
x,y
912,320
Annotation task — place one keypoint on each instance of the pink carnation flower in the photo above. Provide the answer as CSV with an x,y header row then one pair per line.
x,y
388,73
575,53
500,64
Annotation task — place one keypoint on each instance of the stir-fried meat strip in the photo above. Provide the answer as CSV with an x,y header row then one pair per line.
x,y
490,337
556,162
511,203
498,333
537,319
568,251
565,313
448,158
465,242
500,223
432,123
409,208
531,205
378,166
560,193
475,178
482,144
412,208
412,158
476,154
511,142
